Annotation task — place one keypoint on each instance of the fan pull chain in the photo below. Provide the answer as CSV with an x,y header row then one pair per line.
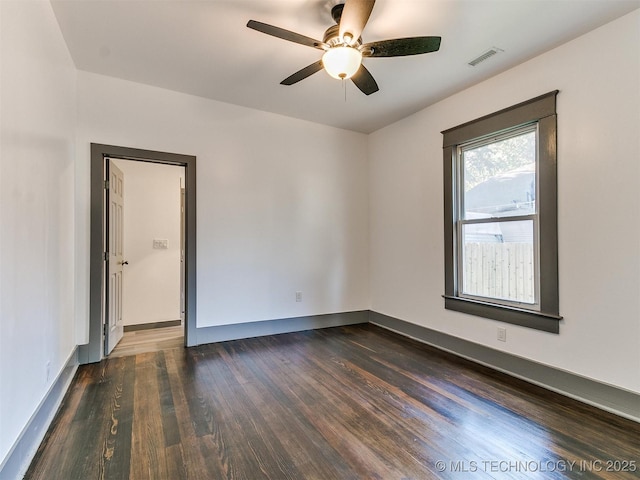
x,y
344,87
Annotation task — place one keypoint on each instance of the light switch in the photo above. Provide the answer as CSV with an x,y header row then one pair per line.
x,y
160,243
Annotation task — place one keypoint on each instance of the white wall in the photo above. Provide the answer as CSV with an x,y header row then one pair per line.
x,y
598,76
37,155
151,280
282,204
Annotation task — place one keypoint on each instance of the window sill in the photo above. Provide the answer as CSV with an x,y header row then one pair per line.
x,y
547,322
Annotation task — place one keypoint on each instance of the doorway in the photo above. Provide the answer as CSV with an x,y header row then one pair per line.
x,y
99,285
146,256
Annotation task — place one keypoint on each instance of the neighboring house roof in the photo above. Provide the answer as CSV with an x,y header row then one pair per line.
x,y
502,194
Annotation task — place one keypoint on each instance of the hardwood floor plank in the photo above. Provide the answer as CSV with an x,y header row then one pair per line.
x,y
308,450
167,408
345,403
118,446
251,435
194,463
148,459
343,423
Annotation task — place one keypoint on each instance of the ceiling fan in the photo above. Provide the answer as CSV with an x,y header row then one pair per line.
x,y
343,47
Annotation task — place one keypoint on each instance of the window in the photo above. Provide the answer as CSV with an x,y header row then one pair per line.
x,y
501,259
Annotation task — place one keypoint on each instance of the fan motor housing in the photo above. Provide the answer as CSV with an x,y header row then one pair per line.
x,y
332,37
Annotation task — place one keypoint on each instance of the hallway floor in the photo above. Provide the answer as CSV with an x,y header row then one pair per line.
x,y
152,340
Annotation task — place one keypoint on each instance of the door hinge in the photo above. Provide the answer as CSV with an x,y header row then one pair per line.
x,y
106,184
105,256
105,329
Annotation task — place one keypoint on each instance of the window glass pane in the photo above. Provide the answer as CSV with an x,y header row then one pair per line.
x,y
498,260
500,178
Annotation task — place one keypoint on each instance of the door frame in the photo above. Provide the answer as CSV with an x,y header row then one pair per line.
x,y
94,350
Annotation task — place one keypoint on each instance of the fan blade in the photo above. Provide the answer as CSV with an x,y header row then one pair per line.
x,y
284,34
400,47
354,18
365,81
302,74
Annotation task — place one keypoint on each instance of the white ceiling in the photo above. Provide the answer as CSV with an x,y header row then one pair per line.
x,y
204,48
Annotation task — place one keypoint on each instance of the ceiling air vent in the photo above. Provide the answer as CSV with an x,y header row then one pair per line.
x,y
486,55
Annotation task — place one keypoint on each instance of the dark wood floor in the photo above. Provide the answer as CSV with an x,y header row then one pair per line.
x,y
342,403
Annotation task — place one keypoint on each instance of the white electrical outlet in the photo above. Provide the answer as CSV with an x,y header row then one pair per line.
x,y
502,334
298,296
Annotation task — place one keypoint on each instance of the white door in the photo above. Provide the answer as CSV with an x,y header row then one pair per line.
x,y
115,329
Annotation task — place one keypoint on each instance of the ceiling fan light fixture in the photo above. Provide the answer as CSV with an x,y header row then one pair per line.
x,y
343,46
342,62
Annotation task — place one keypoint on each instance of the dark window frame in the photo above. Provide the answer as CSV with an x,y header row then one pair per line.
x,y
540,110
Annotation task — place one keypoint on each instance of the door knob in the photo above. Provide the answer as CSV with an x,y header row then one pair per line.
x,y
125,263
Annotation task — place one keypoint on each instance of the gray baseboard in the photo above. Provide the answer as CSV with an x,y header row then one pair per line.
x,y
17,461
606,397
150,326
223,333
